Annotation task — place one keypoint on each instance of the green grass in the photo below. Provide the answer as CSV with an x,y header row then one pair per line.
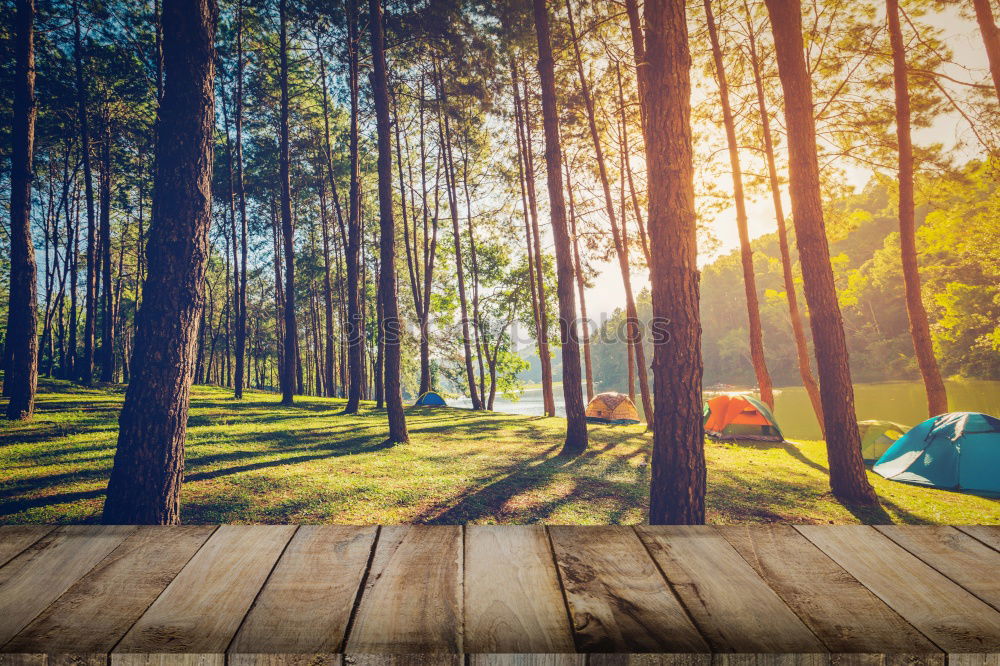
x,y
258,462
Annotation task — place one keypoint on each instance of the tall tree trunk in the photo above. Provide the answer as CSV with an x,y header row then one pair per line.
x,y
85,367
746,252
355,323
636,352
677,489
146,478
22,317
576,424
798,330
288,376
328,369
450,177
991,38
241,296
847,471
107,317
545,358
627,159
639,56
581,292
920,332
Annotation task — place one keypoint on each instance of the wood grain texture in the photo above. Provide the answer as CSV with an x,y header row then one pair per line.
x,y
733,608
527,659
412,601
988,534
15,538
618,600
957,555
944,612
265,659
513,601
842,612
403,659
168,659
39,575
95,613
201,609
307,601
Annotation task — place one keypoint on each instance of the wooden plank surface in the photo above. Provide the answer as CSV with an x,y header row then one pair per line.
x,y
95,613
15,538
201,609
412,601
953,618
733,608
513,601
41,573
618,600
306,603
965,560
842,612
988,534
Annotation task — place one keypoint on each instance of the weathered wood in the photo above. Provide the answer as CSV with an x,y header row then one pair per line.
x,y
306,604
95,613
15,538
617,598
265,659
958,556
988,534
121,659
202,608
734,609
39,575
944,612
412,602
513,602
527,660
676,659
403,659
842,612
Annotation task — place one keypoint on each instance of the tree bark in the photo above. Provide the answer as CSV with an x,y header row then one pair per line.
x,y
991,38
288,375
107,350
22,316
746,252
576,424
847,471
391,325
85,367
146,478
920,332
581,292
239,379
355,323
677,489
798,330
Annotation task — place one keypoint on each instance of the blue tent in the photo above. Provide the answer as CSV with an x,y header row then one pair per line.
x,y
957,451
430,399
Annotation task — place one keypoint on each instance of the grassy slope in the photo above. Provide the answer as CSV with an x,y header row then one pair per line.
x,y
256,461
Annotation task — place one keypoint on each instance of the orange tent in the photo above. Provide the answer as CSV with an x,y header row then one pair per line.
x,y
740,417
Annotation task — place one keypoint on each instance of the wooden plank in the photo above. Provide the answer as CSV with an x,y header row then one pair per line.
x,y
842,612
168,659
988,534
403,659
513,602
15,538
527,659
733,608
40,574
307,601
97,611
303,659
647,659
618,600
951,617
412,601
201,609
958,556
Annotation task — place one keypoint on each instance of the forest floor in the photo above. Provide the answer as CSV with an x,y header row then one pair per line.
x,y
258,462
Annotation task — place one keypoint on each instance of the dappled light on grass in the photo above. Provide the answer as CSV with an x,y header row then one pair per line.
x,y
258,462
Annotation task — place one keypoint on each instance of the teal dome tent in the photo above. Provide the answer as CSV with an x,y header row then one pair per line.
x,y
430,399
956,451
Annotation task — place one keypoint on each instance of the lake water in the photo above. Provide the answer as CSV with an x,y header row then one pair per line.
x,y
902,402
